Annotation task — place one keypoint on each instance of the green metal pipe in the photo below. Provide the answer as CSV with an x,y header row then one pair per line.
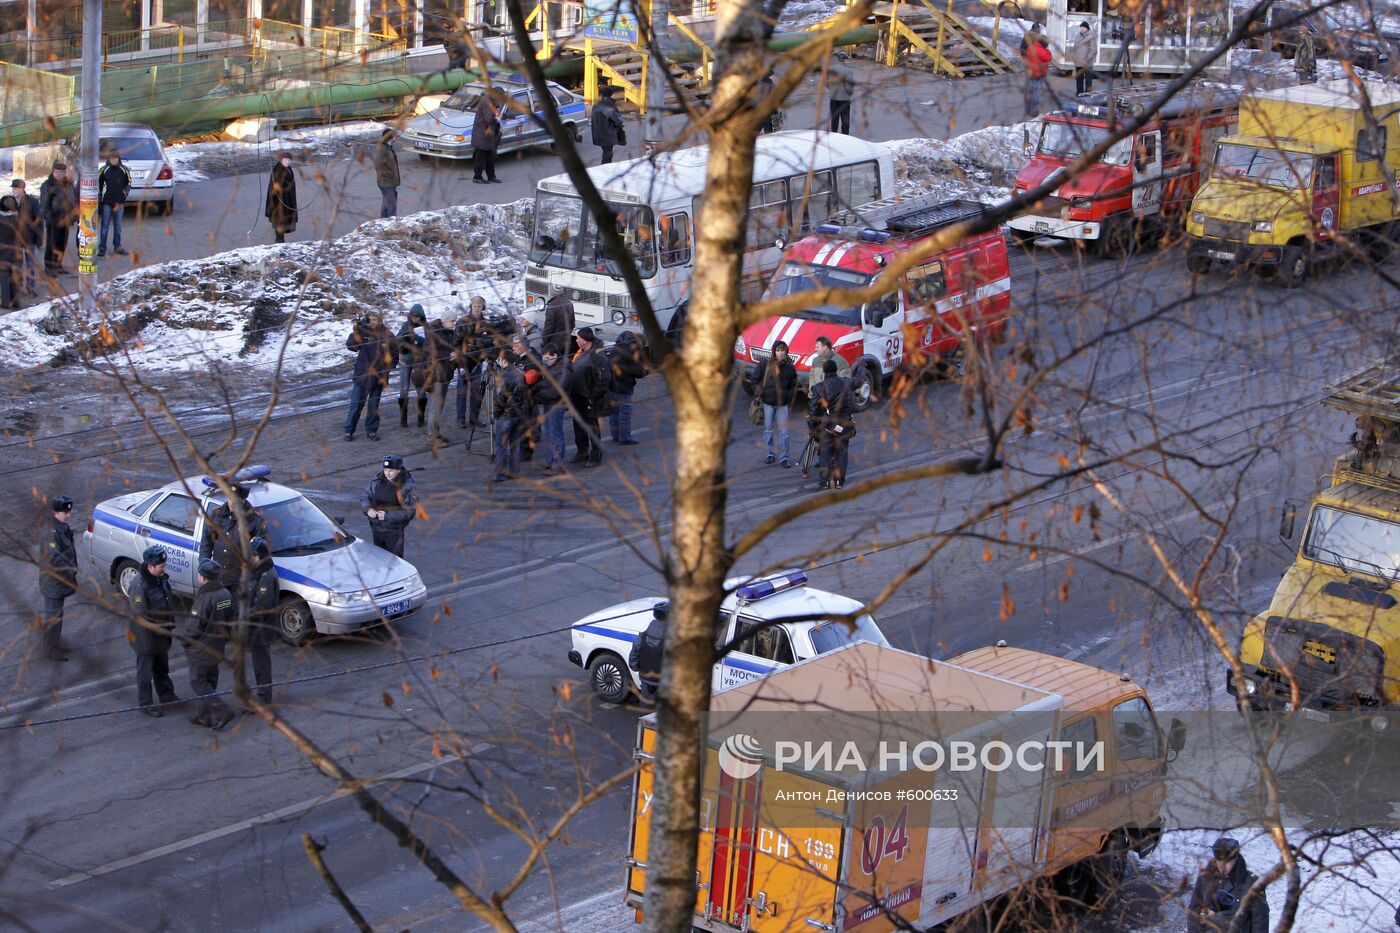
x,y
171,118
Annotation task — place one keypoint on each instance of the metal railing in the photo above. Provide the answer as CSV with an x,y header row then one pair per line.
x,y
331,39
31,94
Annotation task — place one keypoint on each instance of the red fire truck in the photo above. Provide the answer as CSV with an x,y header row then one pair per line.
x,y
1143,184
964,290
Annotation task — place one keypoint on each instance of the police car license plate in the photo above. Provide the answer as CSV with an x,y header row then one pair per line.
x,y
419,144
1220,254
394,609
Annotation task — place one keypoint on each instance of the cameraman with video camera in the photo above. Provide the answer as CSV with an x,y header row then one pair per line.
x,y
830,415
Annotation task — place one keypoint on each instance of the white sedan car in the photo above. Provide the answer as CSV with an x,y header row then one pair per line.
x,y
603,641
332,582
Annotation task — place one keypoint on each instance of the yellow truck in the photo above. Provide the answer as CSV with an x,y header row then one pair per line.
x,y
1306,171
828,834
1332,629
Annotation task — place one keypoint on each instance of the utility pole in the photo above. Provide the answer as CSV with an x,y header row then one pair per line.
x,y
656,75
87,155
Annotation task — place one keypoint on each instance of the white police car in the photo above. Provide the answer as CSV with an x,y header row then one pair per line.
x,y
602,642
332,582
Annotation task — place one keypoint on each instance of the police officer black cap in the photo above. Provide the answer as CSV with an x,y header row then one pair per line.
x,y
393,462
61,504
153,556
1225,847
259,547
209,568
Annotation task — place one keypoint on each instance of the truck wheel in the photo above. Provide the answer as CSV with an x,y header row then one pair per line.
x,y
1117,238
610,678
294,620
1292,267
1108,869
128,577
865,386
1197,263
675,331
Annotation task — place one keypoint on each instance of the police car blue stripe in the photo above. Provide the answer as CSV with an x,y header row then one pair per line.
x,y
609,632
750,666
295,577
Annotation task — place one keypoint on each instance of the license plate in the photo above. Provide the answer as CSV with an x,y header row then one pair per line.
x,y
1041,226
1315,715
418,144
1220,254
394,609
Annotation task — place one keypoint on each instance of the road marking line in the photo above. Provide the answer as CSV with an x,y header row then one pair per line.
x,y
241,825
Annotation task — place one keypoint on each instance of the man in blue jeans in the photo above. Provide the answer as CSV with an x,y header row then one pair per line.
x,y
376,354
625,358
113,187
512,408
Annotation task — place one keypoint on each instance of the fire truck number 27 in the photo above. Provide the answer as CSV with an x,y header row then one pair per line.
x,y
879,842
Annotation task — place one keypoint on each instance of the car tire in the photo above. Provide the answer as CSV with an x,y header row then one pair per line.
x,y
1197,263
167,207
1292,267
1117,238
865,386
675,331
294,622
126,575
609,678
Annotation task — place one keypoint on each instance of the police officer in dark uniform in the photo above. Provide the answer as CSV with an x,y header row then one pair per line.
x,y
829,412
221,537
212,615
58,562
264,592
390,502
153,616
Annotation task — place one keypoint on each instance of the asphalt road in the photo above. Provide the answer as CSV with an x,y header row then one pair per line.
x,y
470,715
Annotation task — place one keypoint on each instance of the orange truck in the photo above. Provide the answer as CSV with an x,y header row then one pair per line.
x,y
795,841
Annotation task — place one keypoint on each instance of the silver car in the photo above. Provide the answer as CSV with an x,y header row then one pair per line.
x,y
332,582
152,175
447,132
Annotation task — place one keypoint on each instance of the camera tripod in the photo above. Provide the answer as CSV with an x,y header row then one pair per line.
x,y
488,407
809,453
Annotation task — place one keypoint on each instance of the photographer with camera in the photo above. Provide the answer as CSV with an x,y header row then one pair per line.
x,y
376,355
830,416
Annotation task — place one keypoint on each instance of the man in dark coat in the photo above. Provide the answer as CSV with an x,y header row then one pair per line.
x,y
153,615
390,502
58,563
625,358
511,412
31,228
831,411
473,339
410,347
1220,887
11,252
376,355
558,322
551,388
439,362
588,392
281,207
58,204
260,630
113,188
486,138
222,543
212,615
386,174
609,131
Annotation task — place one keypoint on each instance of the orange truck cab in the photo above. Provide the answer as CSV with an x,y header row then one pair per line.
x,y
794,842
962,292
1143,184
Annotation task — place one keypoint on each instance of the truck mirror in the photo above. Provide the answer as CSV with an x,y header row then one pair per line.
x,y
1286,521
1176,737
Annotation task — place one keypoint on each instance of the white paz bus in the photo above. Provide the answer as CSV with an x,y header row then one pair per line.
x,y
800,178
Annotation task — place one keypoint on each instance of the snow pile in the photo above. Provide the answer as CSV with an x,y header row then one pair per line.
x,y
801,15
981,164
1008,34
202,161
186,315
1261,69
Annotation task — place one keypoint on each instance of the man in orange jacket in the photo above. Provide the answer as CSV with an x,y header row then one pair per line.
x,y
1037,61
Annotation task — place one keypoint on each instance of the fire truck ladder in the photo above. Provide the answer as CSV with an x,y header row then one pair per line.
x,y
1133,99
906,215
1374,394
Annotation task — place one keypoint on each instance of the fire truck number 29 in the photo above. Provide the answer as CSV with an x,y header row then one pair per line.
x,y
879,842
894,351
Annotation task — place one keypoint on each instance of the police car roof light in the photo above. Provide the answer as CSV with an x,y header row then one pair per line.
x,y
253,474
750,592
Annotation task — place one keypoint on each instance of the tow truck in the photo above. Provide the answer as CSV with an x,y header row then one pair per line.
x,y
960,293
1143,185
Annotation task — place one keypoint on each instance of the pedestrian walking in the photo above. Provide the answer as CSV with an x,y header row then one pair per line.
x,y
58,568
113,188
212,615
841,87
830,408
390,502
439,362
588,392
551,390
1305,60
376,354
486,138
386,174
609,129
1219,889
259,631
1082,54
777,386
410,347
223,540
625,358
58,203
152,623
1037,62
11,252
558,322
511,411
774,120
281,206
31,226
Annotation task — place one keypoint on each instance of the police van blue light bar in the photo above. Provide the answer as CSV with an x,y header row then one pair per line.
x,y
750,592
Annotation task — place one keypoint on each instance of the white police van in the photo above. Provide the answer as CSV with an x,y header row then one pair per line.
x,y
602,642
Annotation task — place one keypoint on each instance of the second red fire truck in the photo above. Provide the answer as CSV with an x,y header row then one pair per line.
x,y
1144,183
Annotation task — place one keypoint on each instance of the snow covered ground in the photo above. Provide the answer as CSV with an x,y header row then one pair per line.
x,y
201,161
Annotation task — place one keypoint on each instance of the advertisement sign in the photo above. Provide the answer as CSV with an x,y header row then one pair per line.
x,y
87,225
609,19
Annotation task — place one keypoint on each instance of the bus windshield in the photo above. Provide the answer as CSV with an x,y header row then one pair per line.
x,y
794,277
1266,166
1071,140
566,235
